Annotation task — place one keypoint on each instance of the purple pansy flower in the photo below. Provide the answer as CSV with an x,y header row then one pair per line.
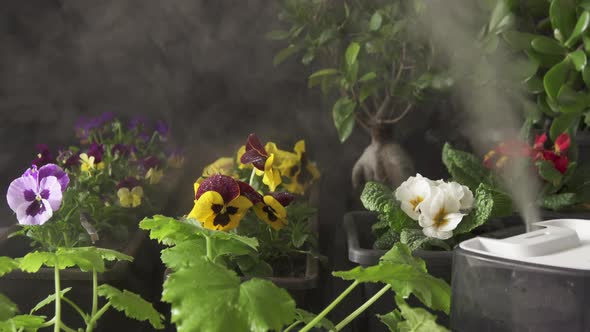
x,y
68,158
43,156
162,129
122,149
128,182
96,150
37,193
137,122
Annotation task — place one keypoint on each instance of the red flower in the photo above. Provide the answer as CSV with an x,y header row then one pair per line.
x,y
559,162
562,143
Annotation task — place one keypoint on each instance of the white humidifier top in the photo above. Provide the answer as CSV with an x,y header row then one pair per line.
x,y
561,243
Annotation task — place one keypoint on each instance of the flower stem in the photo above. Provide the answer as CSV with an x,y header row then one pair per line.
x,y
292,326
209,248
362,308
251,182
57,326
329,308
96,317
94,293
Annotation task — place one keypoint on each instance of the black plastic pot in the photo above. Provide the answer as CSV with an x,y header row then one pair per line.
x,y
140,276
357,225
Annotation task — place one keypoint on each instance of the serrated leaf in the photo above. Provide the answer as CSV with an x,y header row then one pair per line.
x,y
49,299
133,305
351,53
167,230
578,58
559,201
579,29
387,239
375,22
7,265
555,78
25,322
33,261
184,253
343,116
405,280
547,45
402,254
7,308
85,258
482,211
415,239
255,305
464,167
409,319
306,317
548,172
112,255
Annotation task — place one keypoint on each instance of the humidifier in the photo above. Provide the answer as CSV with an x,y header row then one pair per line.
x,y
536,281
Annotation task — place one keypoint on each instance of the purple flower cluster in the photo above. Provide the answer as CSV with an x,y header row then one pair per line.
x,y
84,124
44,156
37,194
97,151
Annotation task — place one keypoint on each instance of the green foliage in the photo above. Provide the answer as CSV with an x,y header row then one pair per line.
x,y
7,308
343,116
415,239
85,258
223,302
464,167
26,323
132,304
408,319
7,264
306,317
50,299
167,230
558,202
482,212
405,279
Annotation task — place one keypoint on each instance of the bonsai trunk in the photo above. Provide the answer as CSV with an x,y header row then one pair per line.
x,y
383,160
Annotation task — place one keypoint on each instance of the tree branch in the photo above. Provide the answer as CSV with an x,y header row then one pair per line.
x,y
401,116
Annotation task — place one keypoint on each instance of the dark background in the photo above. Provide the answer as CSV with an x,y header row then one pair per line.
x,y
204,67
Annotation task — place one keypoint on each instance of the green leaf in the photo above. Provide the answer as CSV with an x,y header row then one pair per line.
x,y
571,101
33,261
351,53
416,319
559,201
111,255
402,254
49,299
464,167
387,239
324,72
562,123
415,239
306,317
7,265
7,308
578,59
278,35
26,322
535,85
548,45
377,197
482,211
579,29
184,253
555,78
375,22
586,76
500,12
548,172
284,54
343,116
368,76
133,305
255,305
405,280
562,14
519,40
308,57
167,230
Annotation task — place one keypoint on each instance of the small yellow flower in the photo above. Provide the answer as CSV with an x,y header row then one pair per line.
x,y
223,166
302,173
87,163
271,212
271,176
154,175
130,198
239,155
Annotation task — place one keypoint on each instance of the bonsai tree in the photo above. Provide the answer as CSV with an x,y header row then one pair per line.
x,y
379,66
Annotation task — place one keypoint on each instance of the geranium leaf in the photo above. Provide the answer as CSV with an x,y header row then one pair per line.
x,y
184,253
133,305
33,261
402,254
7,308
405,279
230,305
26,322
49,299
7,264
464,167
112,255
167,230
408,319
85,258
228,236
306,317
482,211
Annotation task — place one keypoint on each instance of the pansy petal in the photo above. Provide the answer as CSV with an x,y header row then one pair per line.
x,y
124,195
54,170
271,178
249,192
52,185
253,157
279,209
284,198
42,213
203,209
299,147
16,191
226,186
253,143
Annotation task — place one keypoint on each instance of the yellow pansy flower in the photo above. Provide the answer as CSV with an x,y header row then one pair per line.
x,y
130,198
272,212
87,163
223,166
301,174
154,175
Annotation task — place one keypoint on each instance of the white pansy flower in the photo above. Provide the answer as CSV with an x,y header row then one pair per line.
x,y
411,193
462,193
440,214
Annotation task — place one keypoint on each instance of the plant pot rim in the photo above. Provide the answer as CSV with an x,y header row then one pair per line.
x,y
116,272
360,255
